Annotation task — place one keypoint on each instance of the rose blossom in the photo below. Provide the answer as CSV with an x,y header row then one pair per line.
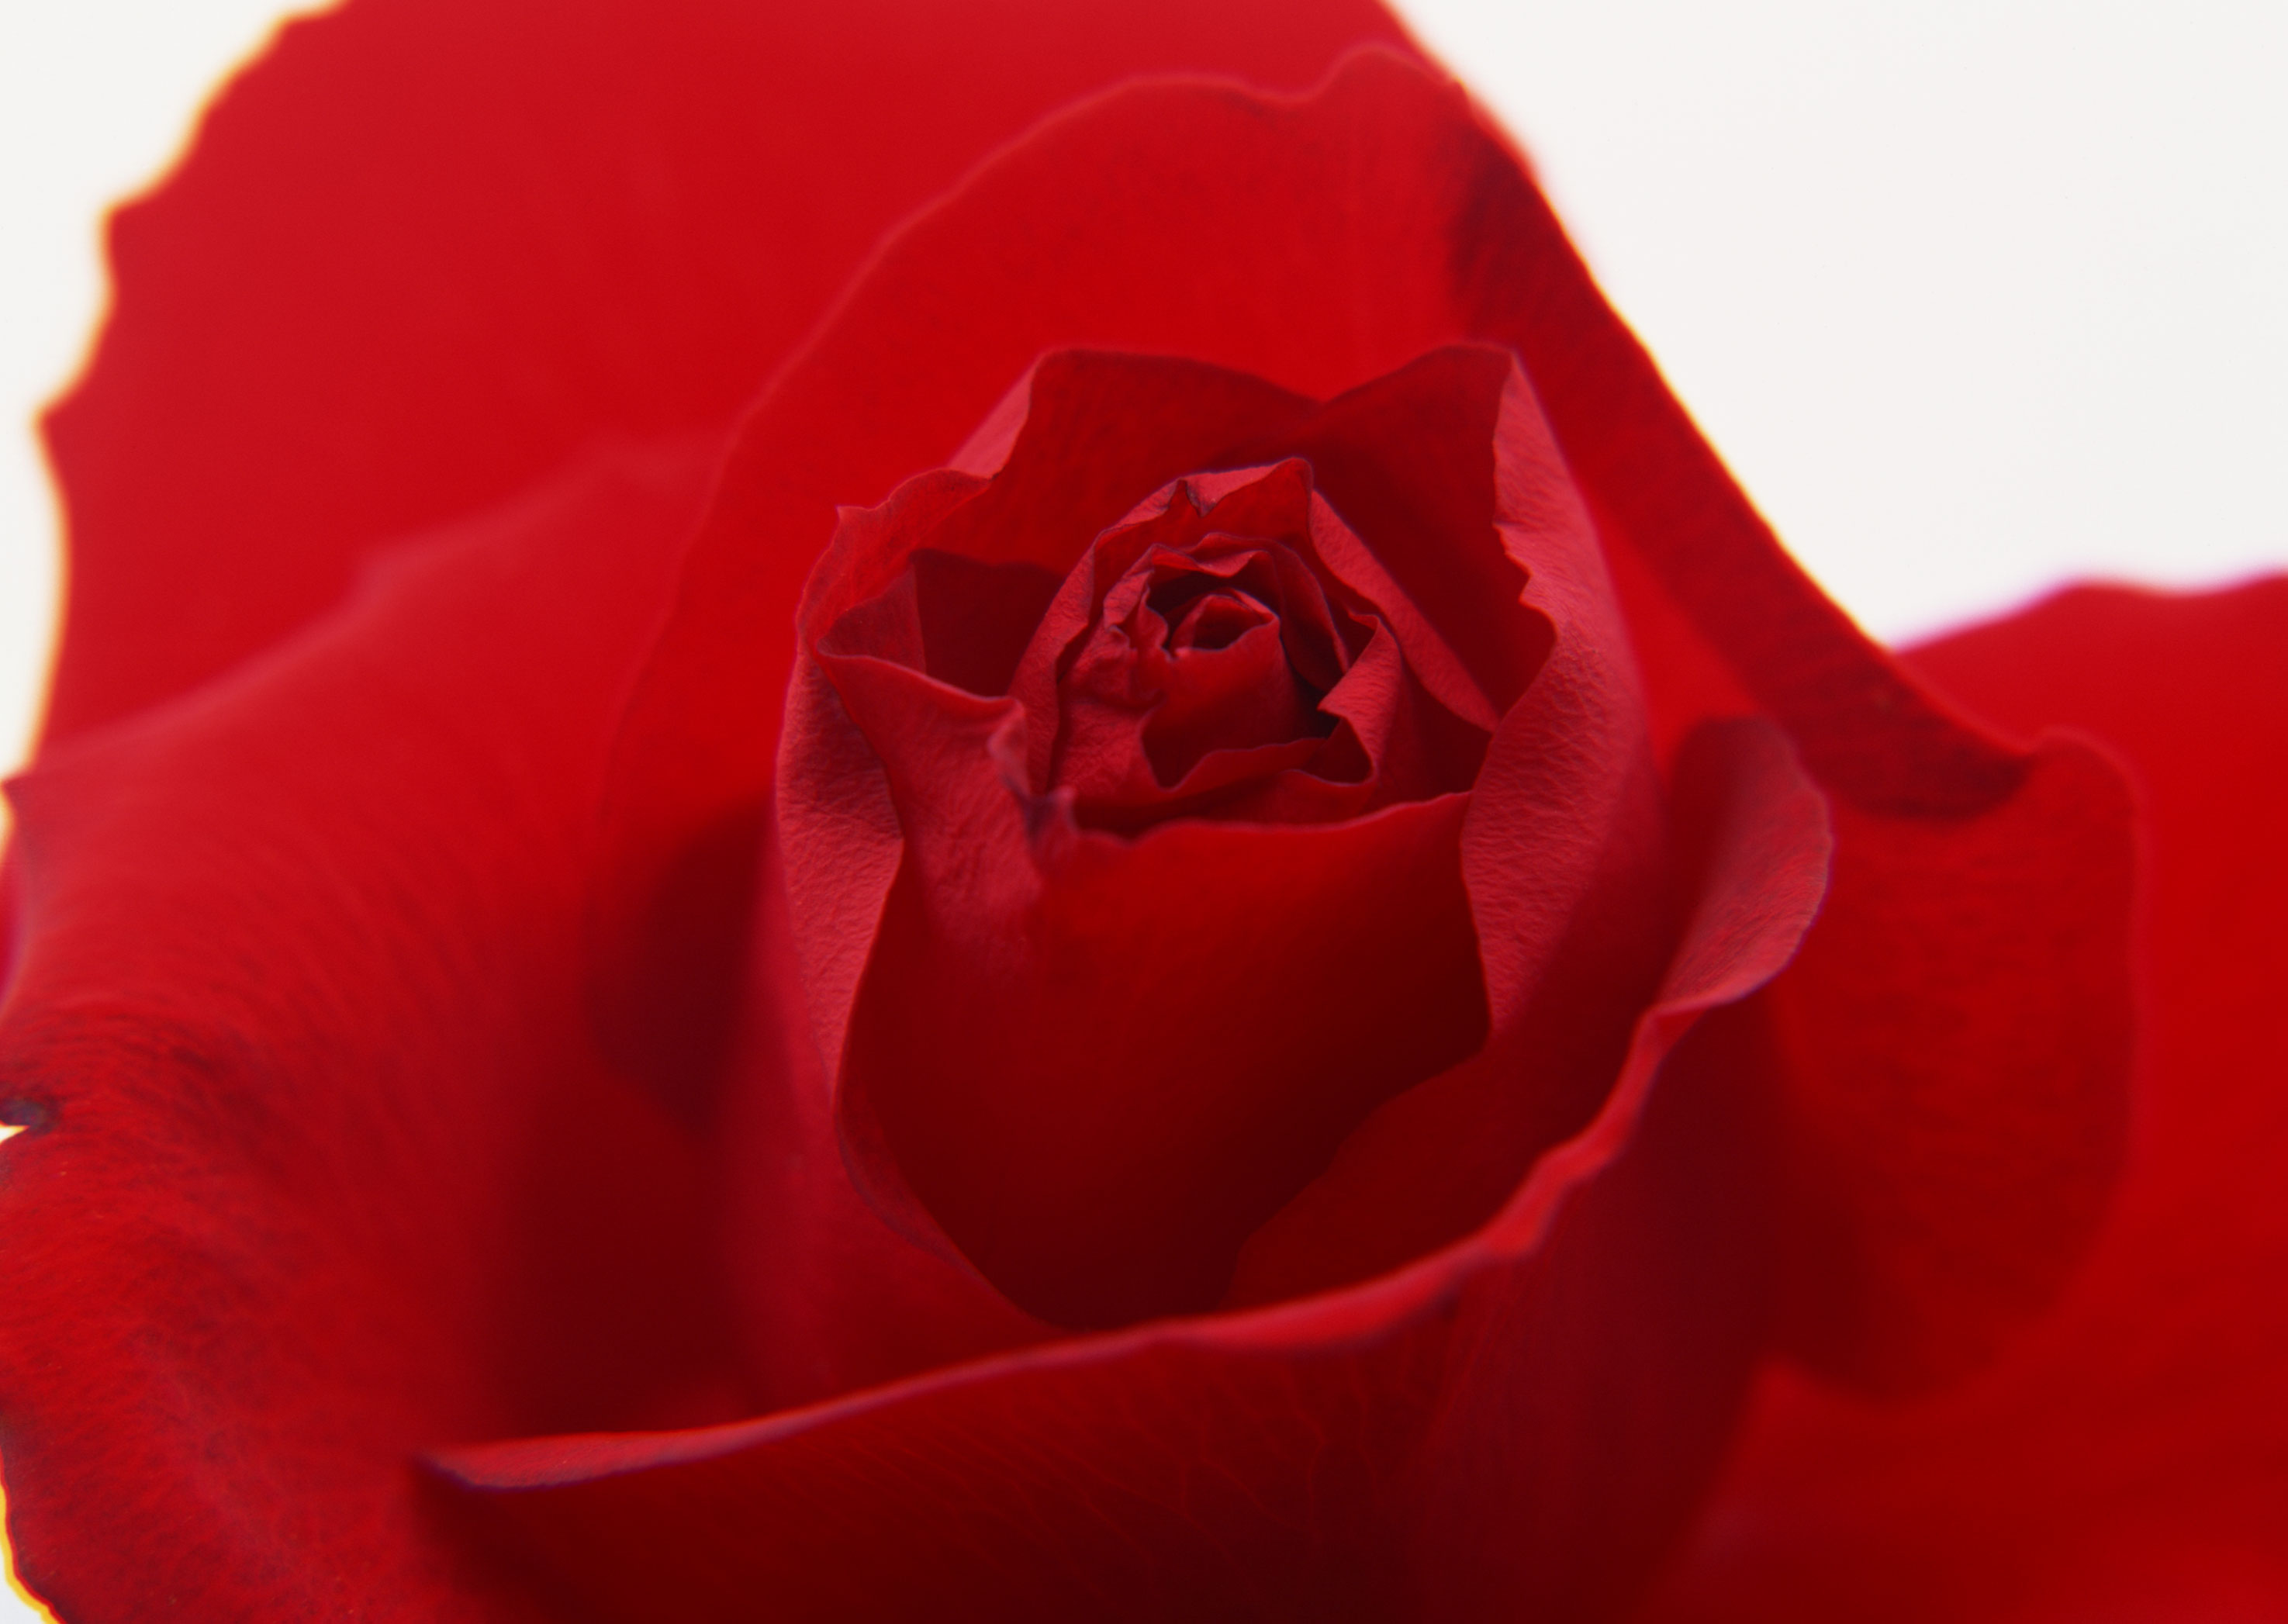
x,y
834,827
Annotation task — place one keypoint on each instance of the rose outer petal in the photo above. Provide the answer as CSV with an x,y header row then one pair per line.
x,y
1511,1428
2126,1461
1356,229
322,1165
426,249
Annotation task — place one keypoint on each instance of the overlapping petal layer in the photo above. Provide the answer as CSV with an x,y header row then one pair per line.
x,y
1383,218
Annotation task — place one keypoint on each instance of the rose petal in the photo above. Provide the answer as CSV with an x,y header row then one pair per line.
x,y
2123,1462
1093,231
1099,1094
1956,1048
1141,721
1384,220
322,1165
1564,859
1958,1032
1509,1428
427,248
1564,854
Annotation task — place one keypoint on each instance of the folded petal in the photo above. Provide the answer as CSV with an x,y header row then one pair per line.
x,y
2124,1460
1957,1035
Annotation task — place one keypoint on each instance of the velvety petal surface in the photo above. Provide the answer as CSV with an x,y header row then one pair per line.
x,y
1355,229
1512,1427
2126,1461
426,248
322,1167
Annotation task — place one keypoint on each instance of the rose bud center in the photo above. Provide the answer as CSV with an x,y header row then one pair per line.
x,y
1203,677
1126,822
1174,913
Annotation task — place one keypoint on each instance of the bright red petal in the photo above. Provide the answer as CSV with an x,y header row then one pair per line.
x,y
322,1167
2127,1461
428,249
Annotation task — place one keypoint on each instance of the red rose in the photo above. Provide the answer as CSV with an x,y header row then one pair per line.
x,y
1303,957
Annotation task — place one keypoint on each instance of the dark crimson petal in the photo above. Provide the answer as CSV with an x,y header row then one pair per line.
x,y
1100,1063
1410,460
1509,1429
1138,737
1082,437
1564,856
976,618
1115,714
1121,426
1381,219
2125,1460
321,1168
831,1297
1959,1033
427,248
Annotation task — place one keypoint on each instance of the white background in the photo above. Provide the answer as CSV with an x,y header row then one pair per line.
x,y
1975,296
